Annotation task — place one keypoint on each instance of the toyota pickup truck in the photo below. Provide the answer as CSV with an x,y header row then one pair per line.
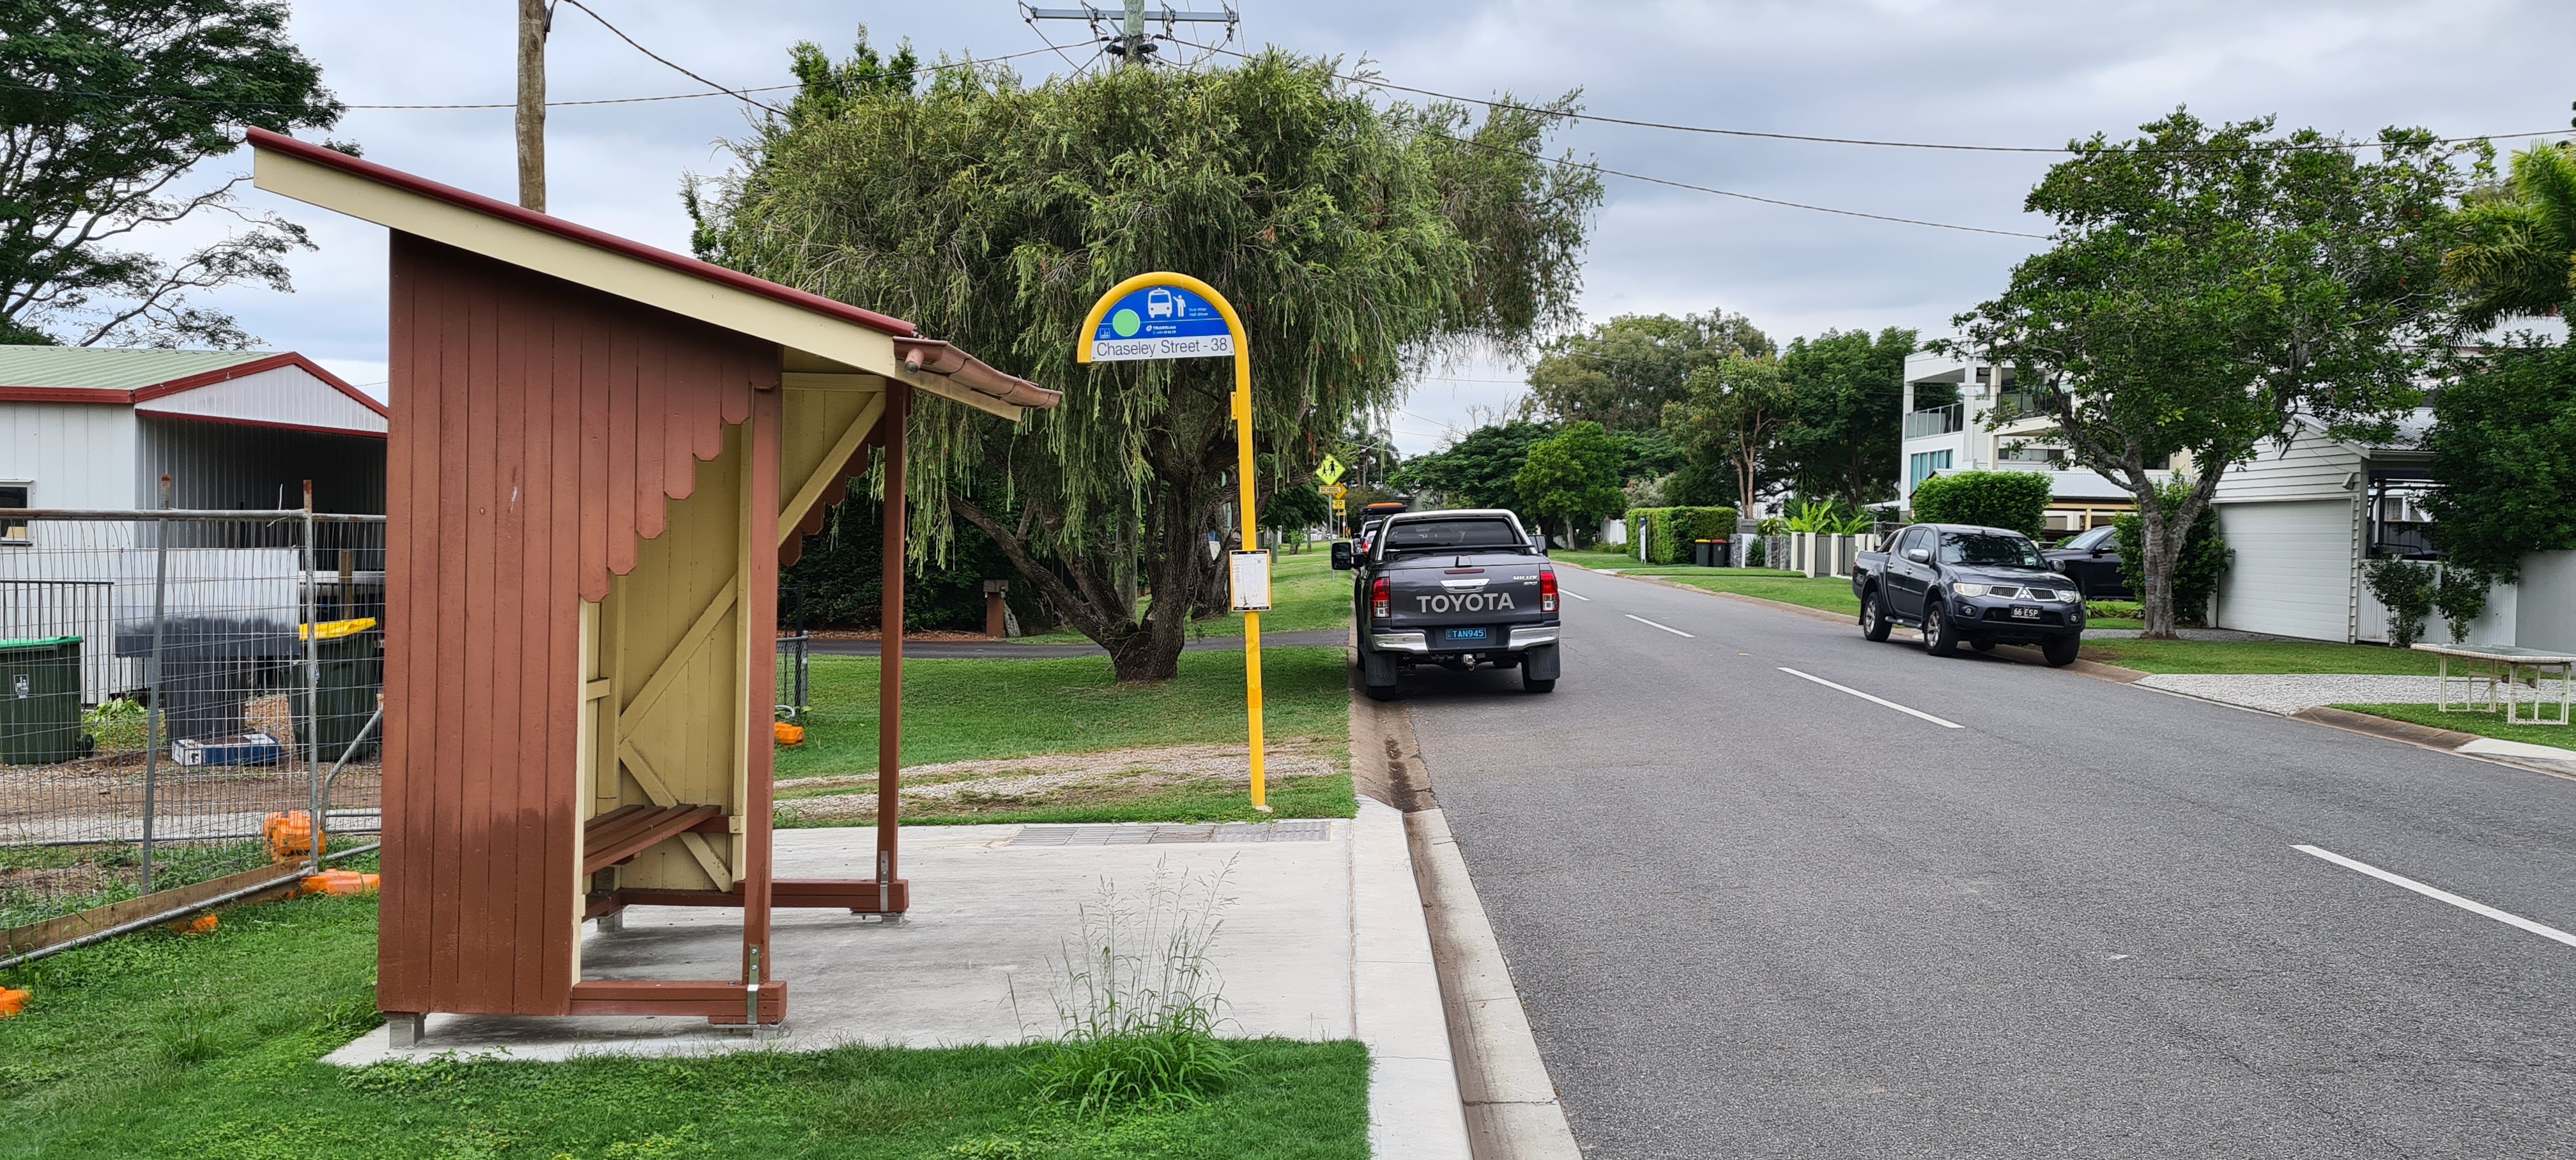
x,y
1458,589
1968,585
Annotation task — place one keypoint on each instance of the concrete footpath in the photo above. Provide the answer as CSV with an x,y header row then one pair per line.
x,y
1324,939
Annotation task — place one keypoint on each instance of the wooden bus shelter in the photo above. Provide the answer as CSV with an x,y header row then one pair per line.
x,y
600,455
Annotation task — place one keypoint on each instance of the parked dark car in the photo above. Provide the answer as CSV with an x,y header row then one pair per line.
x,y
2093,559
1458,589
1969,585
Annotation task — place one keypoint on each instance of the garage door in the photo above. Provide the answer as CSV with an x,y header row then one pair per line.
x,y
2293,571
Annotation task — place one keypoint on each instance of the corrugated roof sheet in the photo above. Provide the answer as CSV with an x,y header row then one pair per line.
x,y
111,368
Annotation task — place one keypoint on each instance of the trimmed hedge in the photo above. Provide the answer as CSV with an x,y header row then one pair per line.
x,y
1669,531
2017,500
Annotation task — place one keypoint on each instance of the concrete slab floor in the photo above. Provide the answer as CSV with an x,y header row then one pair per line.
x,y
989,914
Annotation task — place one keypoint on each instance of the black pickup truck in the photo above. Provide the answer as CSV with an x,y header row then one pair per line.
x,y
1977,586
1453,588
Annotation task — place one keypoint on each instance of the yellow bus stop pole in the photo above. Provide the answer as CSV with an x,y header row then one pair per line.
x,y
1243,473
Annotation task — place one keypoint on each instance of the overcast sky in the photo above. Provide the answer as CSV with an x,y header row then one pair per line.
x,y
1992,72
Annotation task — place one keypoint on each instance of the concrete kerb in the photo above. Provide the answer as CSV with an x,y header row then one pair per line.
x,y
1496,1078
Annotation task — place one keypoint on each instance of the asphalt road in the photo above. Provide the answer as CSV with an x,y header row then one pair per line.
x,y
1753,915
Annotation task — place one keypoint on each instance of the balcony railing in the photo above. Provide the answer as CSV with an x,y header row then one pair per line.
x,y
1935,421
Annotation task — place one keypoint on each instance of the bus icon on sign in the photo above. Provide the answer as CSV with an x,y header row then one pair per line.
x,y
1158,303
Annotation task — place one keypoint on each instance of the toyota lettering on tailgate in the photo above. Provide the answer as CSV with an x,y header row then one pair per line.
x,y
1466,602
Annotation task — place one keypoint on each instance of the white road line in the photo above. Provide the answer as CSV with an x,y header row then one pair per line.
x,y
1577,595
1652,624
1867,697
2439,895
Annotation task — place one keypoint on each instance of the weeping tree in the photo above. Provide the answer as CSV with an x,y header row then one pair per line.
x,y
1357,241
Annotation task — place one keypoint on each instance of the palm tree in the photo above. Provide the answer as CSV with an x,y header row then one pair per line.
x,y
2520,258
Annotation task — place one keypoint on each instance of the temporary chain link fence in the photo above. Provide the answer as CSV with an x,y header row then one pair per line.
x,y
169,680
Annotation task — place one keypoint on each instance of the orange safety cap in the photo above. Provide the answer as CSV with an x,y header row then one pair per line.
x,y
202,924
342,882
788,734
290,835
13,1002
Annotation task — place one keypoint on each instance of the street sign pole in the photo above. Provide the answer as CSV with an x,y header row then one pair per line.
x,y
1174,316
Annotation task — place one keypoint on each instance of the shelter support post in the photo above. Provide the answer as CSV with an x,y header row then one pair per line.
x,y
759,633
898,413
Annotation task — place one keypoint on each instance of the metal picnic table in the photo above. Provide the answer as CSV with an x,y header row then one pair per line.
x,y
2499,673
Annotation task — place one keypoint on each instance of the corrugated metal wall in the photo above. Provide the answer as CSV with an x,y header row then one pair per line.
x,y
78,455
234,466
539,430
287,395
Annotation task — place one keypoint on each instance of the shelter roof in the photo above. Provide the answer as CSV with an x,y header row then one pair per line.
x,y
818,334
252,387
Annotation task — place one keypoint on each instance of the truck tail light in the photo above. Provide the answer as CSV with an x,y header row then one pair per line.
x,y
1380,595
1547,589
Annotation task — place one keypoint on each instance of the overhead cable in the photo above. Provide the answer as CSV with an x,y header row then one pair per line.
x,y
2286,147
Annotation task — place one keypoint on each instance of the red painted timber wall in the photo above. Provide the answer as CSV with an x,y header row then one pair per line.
x,y
538,429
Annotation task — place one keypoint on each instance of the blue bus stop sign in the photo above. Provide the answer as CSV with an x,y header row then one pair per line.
x,y
1161,322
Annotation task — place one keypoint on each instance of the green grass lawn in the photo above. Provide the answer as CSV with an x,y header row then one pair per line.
x,y
2264,656
1825,592
157,1045
1594,559
964,710
1305,593
2482,724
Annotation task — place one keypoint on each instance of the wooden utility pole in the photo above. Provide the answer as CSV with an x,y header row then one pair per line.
x,y
535,17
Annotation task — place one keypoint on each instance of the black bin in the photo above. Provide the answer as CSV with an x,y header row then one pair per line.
x,y
40,700
352,670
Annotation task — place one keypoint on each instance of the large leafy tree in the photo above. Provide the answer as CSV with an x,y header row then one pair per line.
x,y
1733,413
106,106
1573,477
1620,373
2520,254
2211,288
2504,449
1845,433
1479,470
1356,241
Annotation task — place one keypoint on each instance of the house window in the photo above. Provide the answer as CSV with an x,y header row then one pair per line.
x,y
1920,466
14,495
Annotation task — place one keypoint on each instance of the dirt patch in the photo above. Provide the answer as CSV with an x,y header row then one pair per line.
x,y
1055,780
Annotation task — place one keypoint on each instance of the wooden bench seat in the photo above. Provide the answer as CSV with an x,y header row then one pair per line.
x,y
622,833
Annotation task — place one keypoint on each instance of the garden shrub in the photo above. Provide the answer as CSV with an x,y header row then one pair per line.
x,y
1669,531
2461,595
2017,500
2405,589
2204,556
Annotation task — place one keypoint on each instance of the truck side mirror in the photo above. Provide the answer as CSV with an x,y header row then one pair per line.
x,y
1919,555
2098,550
1538,543
1341,555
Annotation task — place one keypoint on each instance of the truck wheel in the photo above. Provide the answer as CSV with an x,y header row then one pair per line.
x,y
1873,617
1532,685
2060,652
1381,692
1939,638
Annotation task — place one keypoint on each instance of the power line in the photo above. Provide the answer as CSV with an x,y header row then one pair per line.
x,y
674,66
736,93
1608,172
2287,147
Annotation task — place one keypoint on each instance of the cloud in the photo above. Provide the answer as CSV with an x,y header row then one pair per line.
x,y
1983,71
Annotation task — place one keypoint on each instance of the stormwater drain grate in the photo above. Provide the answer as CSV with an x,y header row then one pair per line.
x,y
1293,830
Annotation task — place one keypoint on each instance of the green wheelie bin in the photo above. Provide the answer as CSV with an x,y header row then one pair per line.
x,y
40,700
